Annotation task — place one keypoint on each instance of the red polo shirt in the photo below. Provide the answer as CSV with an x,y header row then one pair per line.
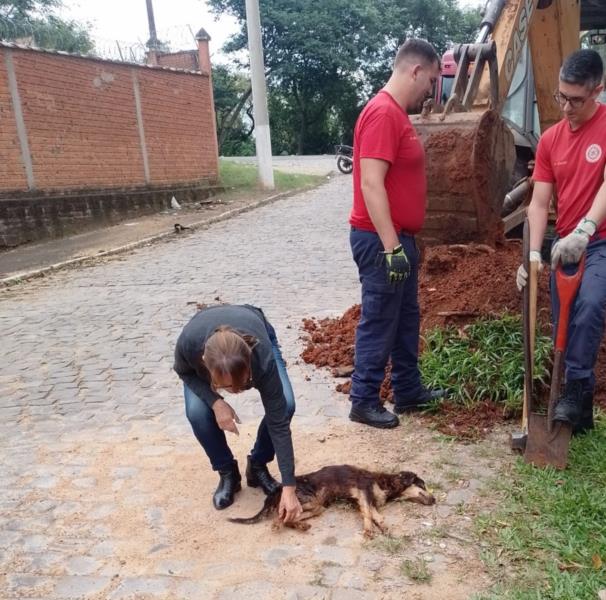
x,y
383,131
574,161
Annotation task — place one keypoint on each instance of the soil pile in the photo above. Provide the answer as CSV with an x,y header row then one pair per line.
x,y
457,285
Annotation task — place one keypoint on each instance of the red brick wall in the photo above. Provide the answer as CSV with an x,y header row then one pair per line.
x,y
177,144
81,122
12,171
187,59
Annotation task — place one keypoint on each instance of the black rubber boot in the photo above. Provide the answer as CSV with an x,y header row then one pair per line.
x,y
569,407
258,475
375,416
229,484
427,396
586,422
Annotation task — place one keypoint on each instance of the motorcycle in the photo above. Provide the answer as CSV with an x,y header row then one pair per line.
x,y
344,155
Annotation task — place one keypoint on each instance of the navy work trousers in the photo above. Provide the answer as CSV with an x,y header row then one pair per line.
x,y
389,323
586,321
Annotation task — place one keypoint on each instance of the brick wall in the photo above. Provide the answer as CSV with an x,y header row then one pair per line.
x,y
83,129
86,142
186,59
12,172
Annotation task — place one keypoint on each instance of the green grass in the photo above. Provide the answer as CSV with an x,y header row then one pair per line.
x,y
242,177
551,528
389,544
483,361
416,570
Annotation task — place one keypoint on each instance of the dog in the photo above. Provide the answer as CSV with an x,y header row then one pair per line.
x,y
366,489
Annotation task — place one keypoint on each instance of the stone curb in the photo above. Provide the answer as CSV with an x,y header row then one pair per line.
x,y
198,225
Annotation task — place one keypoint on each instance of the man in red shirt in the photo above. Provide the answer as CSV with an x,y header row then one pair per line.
x,y
388,210
571,161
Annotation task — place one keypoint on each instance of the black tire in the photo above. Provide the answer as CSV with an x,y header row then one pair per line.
x,y
345,165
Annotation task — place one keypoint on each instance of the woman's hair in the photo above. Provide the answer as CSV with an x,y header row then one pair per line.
x,y
228,353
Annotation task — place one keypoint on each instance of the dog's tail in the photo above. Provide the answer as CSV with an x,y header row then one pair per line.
x,y
270,504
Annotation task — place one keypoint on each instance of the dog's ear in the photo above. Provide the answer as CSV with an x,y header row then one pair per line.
x,y
409,478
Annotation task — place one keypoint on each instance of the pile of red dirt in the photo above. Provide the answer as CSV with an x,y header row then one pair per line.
x,y
457,285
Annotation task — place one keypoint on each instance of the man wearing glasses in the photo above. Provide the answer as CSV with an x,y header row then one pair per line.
x,y
571,166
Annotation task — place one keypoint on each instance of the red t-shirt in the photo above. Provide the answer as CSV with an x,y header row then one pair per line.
x,y
384,131
574,161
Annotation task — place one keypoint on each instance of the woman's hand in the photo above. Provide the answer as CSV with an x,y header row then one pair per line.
x,y
290,507
226,416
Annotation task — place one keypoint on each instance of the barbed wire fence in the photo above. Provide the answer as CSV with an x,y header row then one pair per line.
x,y
57,35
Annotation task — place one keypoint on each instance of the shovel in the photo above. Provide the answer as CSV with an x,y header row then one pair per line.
x,y
548,441
529,322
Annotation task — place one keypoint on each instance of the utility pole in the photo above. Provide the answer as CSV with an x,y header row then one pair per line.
x,y
153,36
259,95
152,43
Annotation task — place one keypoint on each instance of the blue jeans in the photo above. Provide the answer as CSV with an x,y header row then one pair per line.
x,y
389,323
212,438
586,321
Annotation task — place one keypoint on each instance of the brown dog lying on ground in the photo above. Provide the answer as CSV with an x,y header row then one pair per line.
x,y
368,490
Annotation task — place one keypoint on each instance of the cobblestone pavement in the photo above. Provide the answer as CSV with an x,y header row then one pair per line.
x,y
105,492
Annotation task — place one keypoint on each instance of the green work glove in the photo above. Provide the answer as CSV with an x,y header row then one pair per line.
x,y
397,265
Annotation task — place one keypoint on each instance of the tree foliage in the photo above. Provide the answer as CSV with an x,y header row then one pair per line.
x,y
233,110
325,57
34,21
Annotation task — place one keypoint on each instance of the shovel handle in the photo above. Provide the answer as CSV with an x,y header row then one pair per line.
x,y
567,287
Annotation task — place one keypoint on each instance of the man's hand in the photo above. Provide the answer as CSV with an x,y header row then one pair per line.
x,y
226,416
397,265
569,249
290,507
522,275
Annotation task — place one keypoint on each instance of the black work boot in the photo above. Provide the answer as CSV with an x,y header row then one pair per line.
x,y
569,406
375,416
402,406
258,475
586,422
229,484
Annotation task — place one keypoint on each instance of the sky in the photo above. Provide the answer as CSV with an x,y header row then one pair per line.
x,y
125,22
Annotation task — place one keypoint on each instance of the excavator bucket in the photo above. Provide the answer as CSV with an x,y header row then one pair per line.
x,y
469,159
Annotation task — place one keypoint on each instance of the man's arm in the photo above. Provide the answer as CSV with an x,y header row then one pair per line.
x,y
597,212
570,249
538,213
372,178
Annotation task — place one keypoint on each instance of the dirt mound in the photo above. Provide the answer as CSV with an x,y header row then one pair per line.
x,y
457,284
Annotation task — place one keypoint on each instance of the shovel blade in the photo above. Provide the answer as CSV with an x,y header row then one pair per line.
x,y
547,448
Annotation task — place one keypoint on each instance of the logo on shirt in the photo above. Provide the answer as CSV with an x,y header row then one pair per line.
x,y
593,153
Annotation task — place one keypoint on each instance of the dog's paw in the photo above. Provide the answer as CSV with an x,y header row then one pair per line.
x,y
369,534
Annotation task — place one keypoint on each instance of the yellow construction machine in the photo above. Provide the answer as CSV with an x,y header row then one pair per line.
x,y
475,150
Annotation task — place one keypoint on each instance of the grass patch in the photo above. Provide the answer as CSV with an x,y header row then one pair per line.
x,y
416,570
482,361
389,544
551,527
238,176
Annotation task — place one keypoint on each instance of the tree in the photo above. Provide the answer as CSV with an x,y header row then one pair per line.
x,y
34,21
232,92
325,57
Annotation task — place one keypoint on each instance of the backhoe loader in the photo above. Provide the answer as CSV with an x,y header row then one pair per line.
x,y
475,150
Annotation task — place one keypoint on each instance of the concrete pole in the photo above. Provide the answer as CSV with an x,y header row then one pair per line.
x,y
152,44
259,95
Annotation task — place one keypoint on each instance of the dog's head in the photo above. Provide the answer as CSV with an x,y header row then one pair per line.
x,y
412,488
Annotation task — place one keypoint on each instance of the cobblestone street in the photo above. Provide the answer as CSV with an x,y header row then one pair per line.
x,y
106,493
